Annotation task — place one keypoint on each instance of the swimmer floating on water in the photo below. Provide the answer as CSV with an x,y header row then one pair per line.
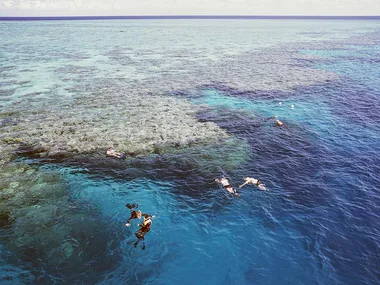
x,y
144,228
226,184
134,214
279,123
257,182
112,153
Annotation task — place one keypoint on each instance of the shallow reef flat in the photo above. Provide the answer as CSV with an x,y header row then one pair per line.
x,y
91,122
140,115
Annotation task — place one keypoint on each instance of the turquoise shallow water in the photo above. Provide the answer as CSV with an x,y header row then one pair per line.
x,y
318,224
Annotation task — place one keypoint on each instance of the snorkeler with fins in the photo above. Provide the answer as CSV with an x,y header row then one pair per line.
x,y
247,180
254,181
144,226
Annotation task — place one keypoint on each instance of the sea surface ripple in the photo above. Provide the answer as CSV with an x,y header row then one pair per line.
x,y
62,220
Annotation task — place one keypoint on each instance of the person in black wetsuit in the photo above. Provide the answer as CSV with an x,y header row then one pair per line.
x,y
144,228
134,214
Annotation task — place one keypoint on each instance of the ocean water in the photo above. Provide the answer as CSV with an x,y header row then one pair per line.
x,y
63,221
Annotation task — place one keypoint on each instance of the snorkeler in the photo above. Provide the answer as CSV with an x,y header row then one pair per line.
x,y
257,182
144,228
279,123
134,214
226,184
112,153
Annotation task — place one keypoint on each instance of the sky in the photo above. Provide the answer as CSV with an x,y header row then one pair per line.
x,y
21,8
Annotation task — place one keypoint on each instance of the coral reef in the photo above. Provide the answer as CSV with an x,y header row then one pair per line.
x,y
44,224
91,122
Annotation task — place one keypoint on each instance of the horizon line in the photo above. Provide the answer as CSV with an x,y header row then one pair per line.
x,y
138,17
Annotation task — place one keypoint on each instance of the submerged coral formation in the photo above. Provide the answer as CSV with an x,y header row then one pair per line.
x,y
43,223
93,121
88,108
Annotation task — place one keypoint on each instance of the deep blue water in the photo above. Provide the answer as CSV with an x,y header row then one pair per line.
x,y
318,224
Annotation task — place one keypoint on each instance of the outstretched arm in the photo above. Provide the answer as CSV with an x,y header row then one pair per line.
x,y
245,183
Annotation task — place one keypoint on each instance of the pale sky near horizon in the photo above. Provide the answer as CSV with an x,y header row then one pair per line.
x,y
187,7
